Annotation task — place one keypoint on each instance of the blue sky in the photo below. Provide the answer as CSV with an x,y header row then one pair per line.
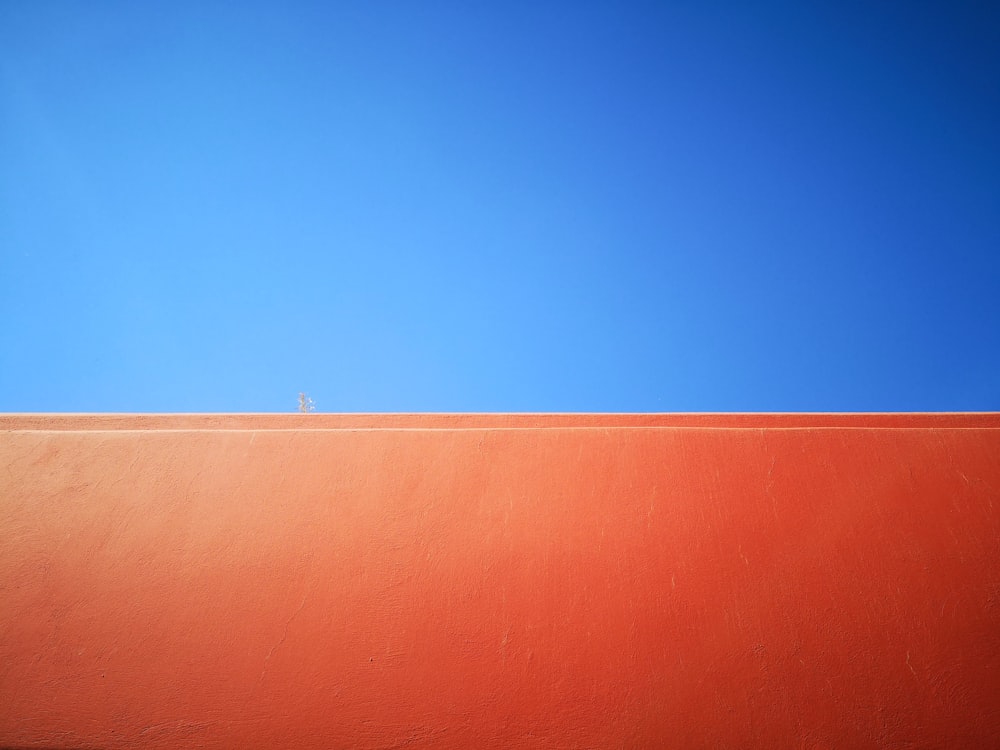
x,y
516,206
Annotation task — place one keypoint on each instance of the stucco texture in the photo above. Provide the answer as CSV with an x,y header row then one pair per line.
x,y
516,581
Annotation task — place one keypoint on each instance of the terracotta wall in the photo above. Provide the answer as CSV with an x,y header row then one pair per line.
x,y
314,581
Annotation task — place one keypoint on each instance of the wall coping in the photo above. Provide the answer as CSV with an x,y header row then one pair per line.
x,y
437,421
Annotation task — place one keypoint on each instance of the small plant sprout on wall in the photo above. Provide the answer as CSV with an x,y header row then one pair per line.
x,y
306,404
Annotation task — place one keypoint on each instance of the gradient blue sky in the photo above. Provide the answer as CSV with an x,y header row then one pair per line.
x,y
510,206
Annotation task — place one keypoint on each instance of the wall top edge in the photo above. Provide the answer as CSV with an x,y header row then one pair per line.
x,y
314,421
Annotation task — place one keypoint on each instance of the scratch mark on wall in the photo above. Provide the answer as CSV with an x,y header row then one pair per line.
x,y
284,635
769,483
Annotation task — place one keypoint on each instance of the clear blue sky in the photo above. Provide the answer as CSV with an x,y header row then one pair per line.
x,y
508,206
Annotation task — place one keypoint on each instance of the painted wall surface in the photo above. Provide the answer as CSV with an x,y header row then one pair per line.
x,y
456,581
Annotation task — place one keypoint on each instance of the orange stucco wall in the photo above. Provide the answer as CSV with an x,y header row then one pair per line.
x,y
318,581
